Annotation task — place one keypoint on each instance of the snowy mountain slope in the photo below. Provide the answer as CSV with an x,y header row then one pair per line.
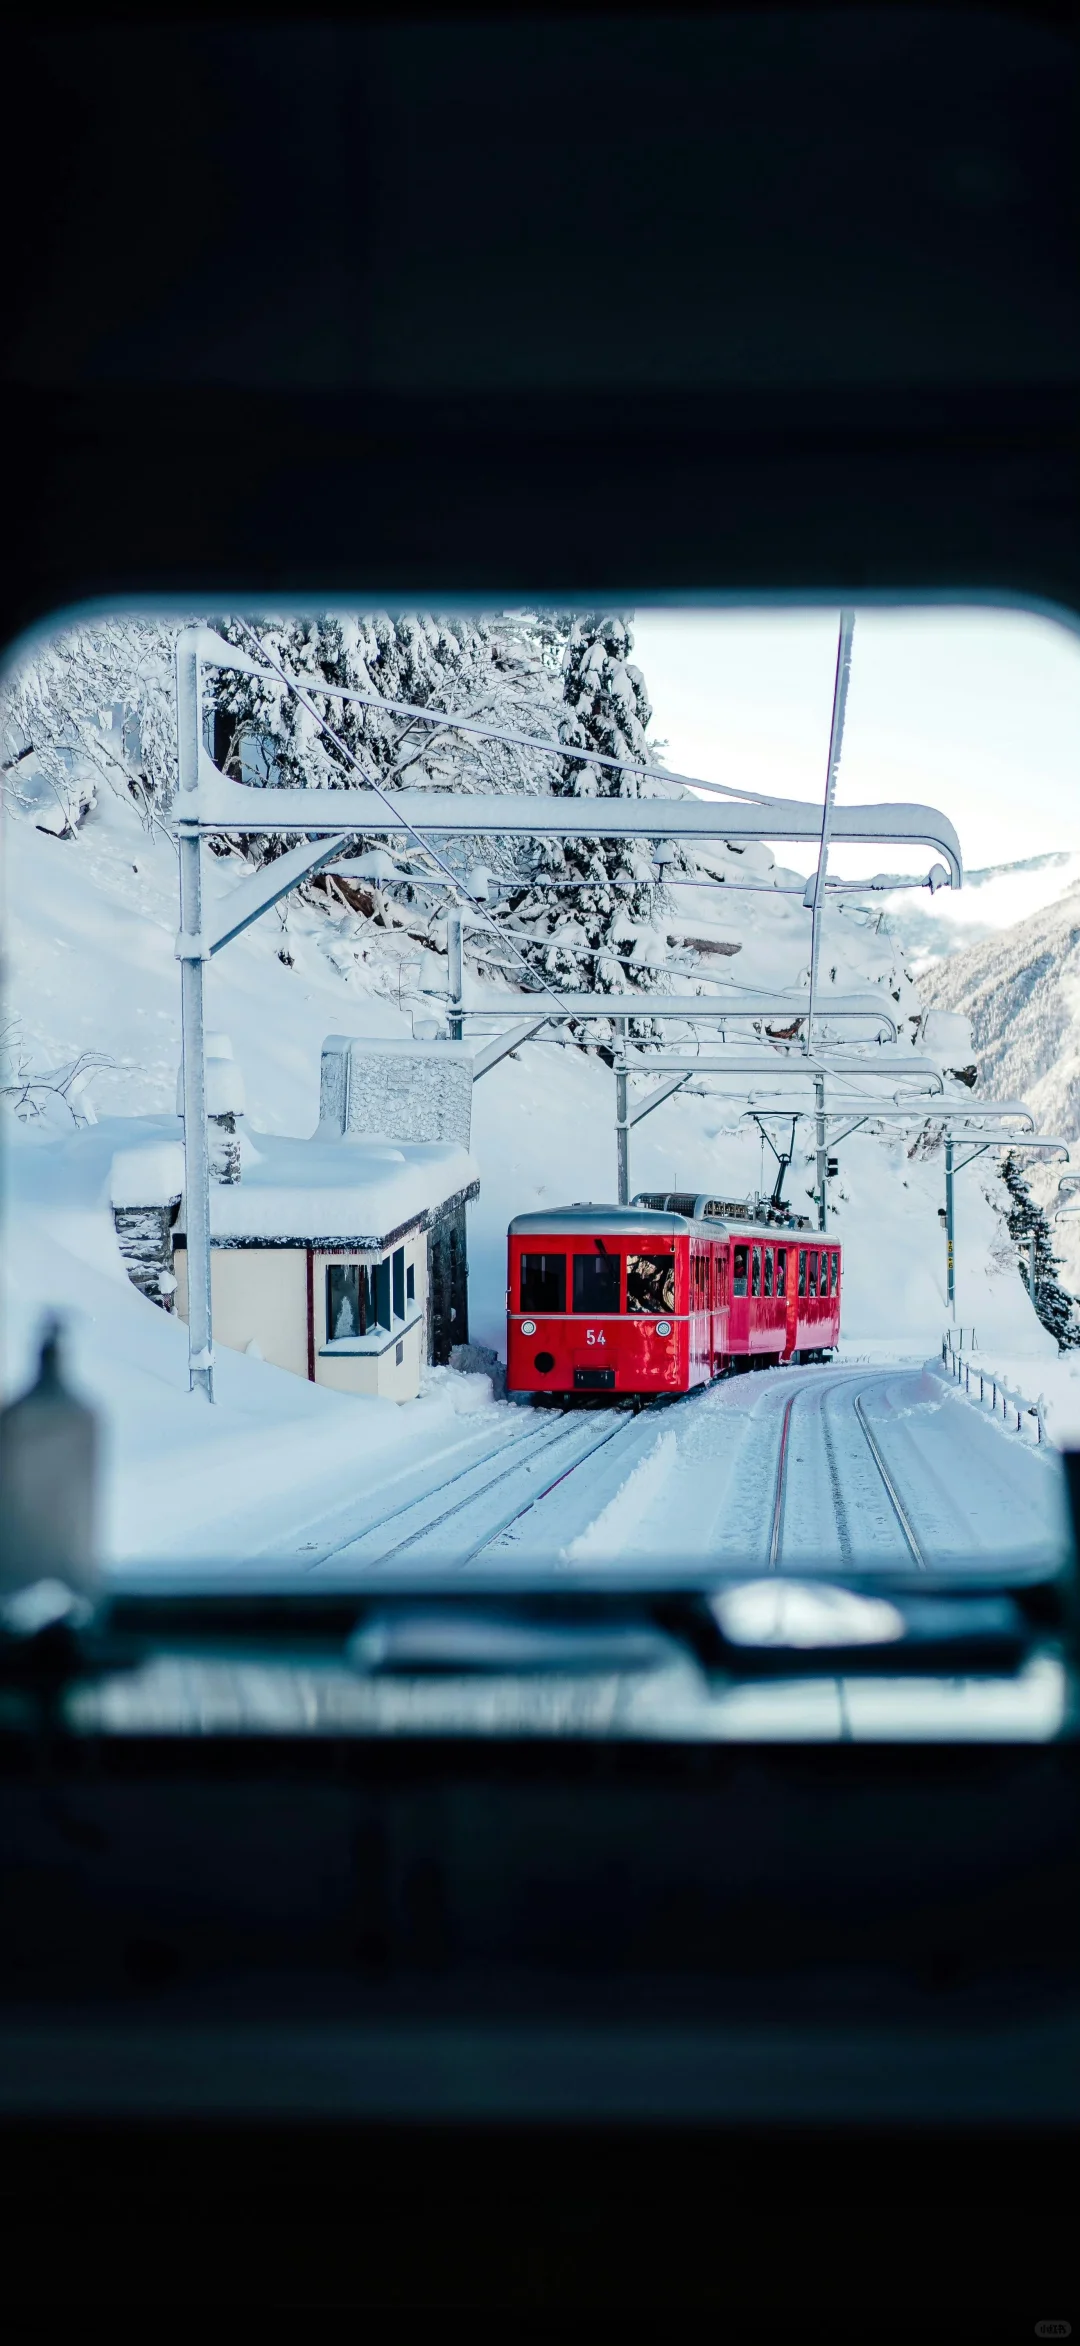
x,y
928,928
1021,991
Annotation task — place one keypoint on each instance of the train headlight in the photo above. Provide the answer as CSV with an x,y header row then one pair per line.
x,y
528,1327
663,1327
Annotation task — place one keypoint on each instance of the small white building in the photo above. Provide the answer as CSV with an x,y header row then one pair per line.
x,y
342,1258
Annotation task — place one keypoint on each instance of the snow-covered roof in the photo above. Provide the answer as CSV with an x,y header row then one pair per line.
x,y
353,1192
346,1192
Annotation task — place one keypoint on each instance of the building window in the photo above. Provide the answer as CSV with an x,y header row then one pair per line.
x,y
410,1284
348,1301
357,1300
398,1266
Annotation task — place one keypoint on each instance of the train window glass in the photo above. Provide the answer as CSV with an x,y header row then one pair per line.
x,y
650,1282
596,1282
768,1270
813,1271
755,1271
543,1282
738,1270
836,1274
781,1269
802,1270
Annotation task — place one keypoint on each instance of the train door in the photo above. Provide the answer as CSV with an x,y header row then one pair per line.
x,y
720,1344
739,1311
758,1332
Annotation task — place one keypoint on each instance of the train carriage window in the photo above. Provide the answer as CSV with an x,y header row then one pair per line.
x,y
768,1270
781,1270
596,1281
802,1270
738,1279
543,1282
836,1274
755,1271
813,1271
650,1282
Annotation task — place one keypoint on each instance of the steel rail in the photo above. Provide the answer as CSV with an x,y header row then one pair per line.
x,y
898,1506
472,1498
534,1438
780,1492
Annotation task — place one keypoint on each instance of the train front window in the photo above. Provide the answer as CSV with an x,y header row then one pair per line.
x,y
802,1270
543,1282
596,1282
781,1270
650,1282
768,1270
755,1271
738,1272
835,1274
812,1290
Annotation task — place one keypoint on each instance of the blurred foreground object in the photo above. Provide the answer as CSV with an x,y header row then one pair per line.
x,y
48,1459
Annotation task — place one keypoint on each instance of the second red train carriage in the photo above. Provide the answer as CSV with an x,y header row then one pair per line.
x,y
662,1295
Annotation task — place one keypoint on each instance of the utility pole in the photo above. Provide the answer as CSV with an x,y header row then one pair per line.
x,y
455,973
950,1257
190,953
821,1150
836,743
622,1127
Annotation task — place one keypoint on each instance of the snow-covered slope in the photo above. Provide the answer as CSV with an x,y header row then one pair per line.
x,y
1021,990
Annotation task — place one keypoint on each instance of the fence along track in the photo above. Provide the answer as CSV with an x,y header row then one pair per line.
x,y
895,1501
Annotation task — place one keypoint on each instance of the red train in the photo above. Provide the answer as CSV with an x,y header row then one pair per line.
x,y
662,1295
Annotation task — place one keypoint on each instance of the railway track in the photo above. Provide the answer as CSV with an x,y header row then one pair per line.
x,y
817,1395
427,1523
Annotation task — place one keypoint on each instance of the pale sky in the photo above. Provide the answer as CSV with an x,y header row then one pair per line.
x,y
975,712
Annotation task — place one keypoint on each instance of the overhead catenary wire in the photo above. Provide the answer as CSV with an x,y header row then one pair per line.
x,y
449,722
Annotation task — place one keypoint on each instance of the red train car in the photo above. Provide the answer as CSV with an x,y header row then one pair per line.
x,y
662,1295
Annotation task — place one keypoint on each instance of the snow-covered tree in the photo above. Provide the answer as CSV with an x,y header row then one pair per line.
x,y
92,707
589,906
1055,1308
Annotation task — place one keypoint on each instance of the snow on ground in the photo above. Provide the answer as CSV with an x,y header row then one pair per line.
x,y
91,922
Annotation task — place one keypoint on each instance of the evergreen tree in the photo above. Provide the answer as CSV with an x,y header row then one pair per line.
x,y
589,906
1055,1308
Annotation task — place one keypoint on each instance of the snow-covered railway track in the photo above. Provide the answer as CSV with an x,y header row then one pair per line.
x,y
824,1458
492,1495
